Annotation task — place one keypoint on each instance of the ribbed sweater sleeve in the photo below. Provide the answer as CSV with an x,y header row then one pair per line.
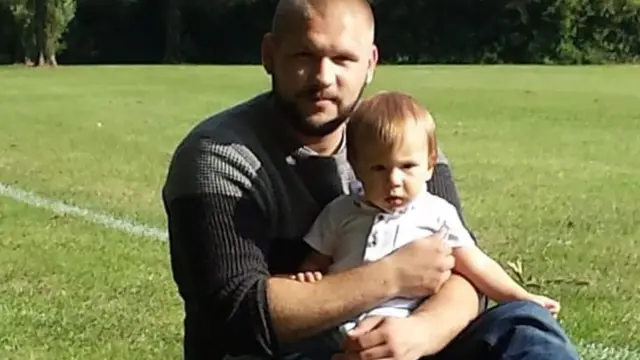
x,y
217,232
443,185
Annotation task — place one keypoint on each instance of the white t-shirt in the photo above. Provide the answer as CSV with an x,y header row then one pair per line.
x,y
352,232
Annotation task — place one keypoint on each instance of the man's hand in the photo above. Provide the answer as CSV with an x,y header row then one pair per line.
x,y
422,266
388,338
299,310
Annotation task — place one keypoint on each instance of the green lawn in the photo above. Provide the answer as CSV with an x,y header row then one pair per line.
x,y
76,290
546,161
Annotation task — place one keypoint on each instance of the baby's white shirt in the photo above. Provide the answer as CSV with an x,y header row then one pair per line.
x,y
353,232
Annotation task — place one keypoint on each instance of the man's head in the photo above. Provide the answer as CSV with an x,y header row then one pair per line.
x,y
320,55
391,144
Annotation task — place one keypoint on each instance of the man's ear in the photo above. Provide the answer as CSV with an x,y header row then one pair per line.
x,y
373,62
267,52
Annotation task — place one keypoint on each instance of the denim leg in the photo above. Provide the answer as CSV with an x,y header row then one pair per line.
x,y
320,347
519,330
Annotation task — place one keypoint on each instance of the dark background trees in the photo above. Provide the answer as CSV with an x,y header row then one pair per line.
x,y
45,32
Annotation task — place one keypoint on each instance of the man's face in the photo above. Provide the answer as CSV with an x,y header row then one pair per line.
x,y
320,68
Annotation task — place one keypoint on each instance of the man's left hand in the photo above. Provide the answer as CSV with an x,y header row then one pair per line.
x,y
388,338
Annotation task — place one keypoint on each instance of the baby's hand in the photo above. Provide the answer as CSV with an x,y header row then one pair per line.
x,y
307,276
549,304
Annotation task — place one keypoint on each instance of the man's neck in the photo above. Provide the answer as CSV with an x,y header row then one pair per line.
x,y
325,146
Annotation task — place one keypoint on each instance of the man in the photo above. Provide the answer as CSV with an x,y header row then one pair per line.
x,y
246,184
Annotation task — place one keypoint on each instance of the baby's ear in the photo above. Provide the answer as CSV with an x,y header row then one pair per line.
x,y
430,172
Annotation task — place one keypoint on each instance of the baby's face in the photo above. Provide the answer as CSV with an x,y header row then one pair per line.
x,y
393,177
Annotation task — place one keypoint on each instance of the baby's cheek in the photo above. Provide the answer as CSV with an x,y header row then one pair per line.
x,y
415,187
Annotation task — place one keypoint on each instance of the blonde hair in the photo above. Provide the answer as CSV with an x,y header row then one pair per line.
x,y
382,119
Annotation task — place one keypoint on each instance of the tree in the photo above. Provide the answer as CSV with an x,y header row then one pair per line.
x,y
22,11
41,25
173,30
57,16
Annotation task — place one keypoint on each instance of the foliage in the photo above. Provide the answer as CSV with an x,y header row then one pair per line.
x,y
408,31
59,15
24,19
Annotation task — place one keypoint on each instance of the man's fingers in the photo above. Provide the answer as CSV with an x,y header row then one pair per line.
x,y
448,263
443,232
367,336
339,356
367,341
364,326
444,277
357,356
445,249
374,353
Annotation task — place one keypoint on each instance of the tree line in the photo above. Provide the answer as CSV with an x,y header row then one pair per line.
x,y
45,32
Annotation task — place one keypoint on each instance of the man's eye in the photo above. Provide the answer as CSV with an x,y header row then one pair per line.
x,y
377,168
303,55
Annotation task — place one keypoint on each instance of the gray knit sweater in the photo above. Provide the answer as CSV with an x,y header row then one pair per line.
x,y
239,195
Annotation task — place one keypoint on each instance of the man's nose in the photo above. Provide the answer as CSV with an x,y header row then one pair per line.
x,y
325,73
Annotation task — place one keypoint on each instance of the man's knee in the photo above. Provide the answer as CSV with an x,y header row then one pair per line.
x,y
526,326
525,316
521,310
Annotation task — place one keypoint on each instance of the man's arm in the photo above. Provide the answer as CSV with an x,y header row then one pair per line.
x,y
299,310
217,226
448,312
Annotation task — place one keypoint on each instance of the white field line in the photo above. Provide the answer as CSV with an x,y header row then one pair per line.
x,y
589,351
59,207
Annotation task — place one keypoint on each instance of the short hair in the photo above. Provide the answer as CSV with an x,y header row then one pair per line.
x,y
291,13
382,119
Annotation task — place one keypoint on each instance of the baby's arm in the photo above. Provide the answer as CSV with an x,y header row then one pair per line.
x,y
321,237
492,280
487,275
483,271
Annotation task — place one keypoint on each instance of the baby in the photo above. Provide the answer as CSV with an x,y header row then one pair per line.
x,y
391,145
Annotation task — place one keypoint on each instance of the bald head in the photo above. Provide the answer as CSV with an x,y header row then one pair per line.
x,y
294,15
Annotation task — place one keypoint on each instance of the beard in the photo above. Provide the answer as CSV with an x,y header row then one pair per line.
x,y
299,123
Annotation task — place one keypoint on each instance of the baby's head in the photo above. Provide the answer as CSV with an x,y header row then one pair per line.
x,y
391,145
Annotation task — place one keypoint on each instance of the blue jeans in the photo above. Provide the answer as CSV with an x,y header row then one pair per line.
x,y
519,330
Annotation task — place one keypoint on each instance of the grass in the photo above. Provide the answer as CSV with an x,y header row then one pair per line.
x,y
75,290
545,160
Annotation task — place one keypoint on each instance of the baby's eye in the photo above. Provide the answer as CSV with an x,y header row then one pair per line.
x,y
409,165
